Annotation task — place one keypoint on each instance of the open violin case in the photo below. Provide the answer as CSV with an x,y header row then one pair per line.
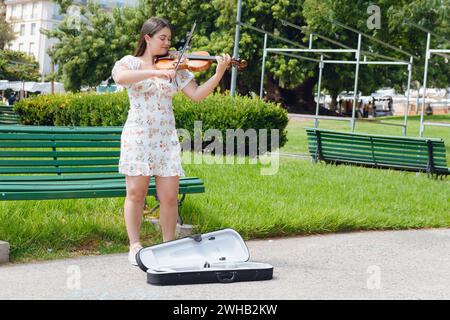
x,y
219,256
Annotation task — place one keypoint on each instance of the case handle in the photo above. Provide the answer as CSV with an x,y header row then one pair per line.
x,y
225,277
196,237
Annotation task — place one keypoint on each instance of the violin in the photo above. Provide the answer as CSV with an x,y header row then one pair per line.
x,y
196,61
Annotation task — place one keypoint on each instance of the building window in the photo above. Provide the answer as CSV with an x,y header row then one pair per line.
x,y
33,29
27,8
20,14
21,47
31,49
34,12
22,29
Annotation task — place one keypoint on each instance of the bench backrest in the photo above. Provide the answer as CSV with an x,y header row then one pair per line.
x,y
409,152
8,116
58,150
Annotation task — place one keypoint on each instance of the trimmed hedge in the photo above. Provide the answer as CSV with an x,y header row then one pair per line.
x,y
74,109
223,112
217,111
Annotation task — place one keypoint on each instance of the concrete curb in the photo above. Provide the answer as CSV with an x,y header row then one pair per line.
x,y
4,252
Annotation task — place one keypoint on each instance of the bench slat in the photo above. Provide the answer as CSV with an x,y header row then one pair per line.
x,y
100,193
57,144
76,177
59,170
79,185
381,157
59,137
55,177
388,165
88,181
374,136
330,156
8,122
51,129
58,154
76,162
9,116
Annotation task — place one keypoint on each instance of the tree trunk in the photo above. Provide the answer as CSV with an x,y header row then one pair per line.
x,y
297,100
333,106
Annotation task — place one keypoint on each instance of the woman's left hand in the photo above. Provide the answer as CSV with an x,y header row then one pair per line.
x,y
222,63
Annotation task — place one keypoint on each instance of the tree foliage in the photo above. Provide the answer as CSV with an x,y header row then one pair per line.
x,y
6,32
86,54
397,19
15,66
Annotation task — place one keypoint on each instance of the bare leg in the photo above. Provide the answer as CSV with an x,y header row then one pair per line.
x,y
167,190
134,205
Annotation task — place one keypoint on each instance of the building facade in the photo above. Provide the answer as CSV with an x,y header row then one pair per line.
x,y
29,16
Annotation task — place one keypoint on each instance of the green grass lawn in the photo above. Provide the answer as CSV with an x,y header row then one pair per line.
x,y
301,198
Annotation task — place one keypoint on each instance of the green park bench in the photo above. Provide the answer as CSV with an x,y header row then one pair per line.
x,y
44,162
394,152
8,116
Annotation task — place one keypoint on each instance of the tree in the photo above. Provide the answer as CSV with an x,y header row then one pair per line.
x,y
6,32
16,66
86,54
433,15
90,43
395,29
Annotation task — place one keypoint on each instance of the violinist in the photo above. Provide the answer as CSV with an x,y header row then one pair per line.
x,y
149,141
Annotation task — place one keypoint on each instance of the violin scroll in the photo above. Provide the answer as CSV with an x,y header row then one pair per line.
x,y
239,63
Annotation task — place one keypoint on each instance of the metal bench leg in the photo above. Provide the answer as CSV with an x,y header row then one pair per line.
x,y
430,164
155,207
180,203
318,156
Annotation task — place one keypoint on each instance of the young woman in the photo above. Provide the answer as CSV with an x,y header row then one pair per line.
x,y
149,141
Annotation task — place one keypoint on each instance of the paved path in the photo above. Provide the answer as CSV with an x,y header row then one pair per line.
x,y
361,265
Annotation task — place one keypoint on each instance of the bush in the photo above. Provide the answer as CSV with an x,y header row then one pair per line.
x,y
223,112
74,109
220,112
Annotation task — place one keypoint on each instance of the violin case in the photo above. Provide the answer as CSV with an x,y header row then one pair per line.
x,y
219,256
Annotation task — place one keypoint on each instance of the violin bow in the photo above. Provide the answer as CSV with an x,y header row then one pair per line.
x,y
186,44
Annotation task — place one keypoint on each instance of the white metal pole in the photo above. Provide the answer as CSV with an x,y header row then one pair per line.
x,y
366,62
417,101
312,50
355,96
261,88
236,48
316,121
425,75
407,95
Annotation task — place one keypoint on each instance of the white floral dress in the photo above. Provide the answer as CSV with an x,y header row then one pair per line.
x,y
149,141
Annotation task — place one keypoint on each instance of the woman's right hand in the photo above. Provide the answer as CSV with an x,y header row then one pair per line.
x,y
169,75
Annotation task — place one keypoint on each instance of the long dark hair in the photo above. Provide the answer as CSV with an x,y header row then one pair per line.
x,y
150,27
